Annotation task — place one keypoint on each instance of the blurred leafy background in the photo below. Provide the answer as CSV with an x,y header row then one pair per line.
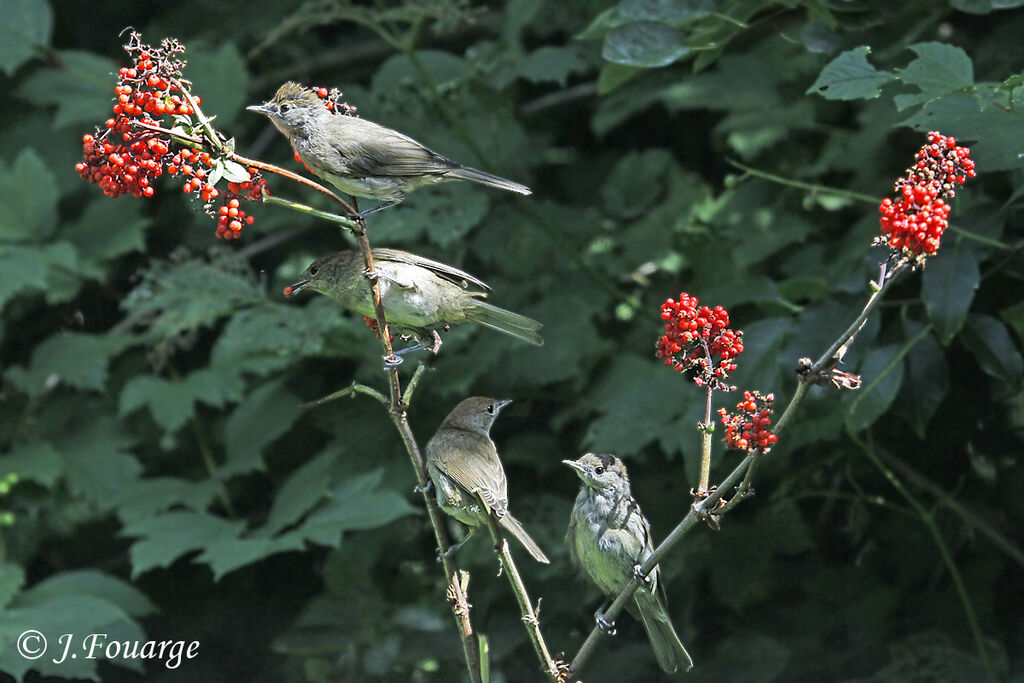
x,y
168,483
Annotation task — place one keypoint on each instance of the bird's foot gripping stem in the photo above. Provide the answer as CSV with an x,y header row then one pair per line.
x,y
374,209
638,572
607,627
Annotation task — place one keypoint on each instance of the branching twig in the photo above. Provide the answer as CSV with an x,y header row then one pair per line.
x,y
531,621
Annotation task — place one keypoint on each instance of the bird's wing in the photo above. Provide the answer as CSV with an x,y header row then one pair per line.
x,y
380,151
472,462
442,270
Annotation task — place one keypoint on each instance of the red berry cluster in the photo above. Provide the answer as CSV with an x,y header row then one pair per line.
x,y
747,429
694,335
913,224
153,87
332,100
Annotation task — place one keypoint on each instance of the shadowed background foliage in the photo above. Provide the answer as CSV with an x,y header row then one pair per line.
x,y
170,485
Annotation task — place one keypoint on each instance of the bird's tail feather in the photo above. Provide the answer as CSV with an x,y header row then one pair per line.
x,y
506,321
668,649
465,173
512,525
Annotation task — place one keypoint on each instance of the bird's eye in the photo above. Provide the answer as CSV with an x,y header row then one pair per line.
x,y
490,409
313,270
598,470
285,107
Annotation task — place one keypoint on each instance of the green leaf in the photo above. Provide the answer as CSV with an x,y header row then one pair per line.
x,y
165,538
993,347
947,287
221,79
356,505
89,582
645,44
37,461
636,182
265,414
882,375
12,578
24,31
234,172
612,76
28,199
446,214
303,490
81,87
549,64
850,77
938,69
106,230
97,463
76,359
28,268
145,497
927,382
172,403
226,554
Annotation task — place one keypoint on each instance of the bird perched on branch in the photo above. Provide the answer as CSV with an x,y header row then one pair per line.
x,y
609,539
360,157
419,295
465,469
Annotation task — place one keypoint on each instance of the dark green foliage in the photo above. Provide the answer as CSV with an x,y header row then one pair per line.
x,y
171,487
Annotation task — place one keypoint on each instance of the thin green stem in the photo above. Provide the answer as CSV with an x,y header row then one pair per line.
x,y
349,391
928,519
800,185
706,430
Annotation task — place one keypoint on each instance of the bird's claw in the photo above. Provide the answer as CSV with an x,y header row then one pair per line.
x,y
423,489
392,361
607,627
638,572
370,274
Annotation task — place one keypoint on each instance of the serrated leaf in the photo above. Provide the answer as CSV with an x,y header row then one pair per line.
x,y
225,555
947,287
37,461
24,31
303,490
356,505
28,199
882,375
144,497
165,538
645,44
265,414
938,69
850,77
76,359
81,87
172,403
993,347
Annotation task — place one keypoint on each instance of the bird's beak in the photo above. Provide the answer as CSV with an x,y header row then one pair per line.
x,y
501,403
261,109
297,287
574,464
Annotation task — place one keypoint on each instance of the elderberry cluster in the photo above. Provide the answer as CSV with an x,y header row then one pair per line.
x,y
134,148
913,224
694,336
747,430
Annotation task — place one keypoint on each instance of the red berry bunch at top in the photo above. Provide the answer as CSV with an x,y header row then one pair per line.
x,y
132,149
747,429
913,224
694,337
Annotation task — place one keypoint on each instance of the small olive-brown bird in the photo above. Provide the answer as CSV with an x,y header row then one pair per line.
x,y
609,538
360,157
420,295
463,465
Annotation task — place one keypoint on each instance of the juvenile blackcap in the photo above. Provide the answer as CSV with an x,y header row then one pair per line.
x,y
420,295
609,538
360,157
463,465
